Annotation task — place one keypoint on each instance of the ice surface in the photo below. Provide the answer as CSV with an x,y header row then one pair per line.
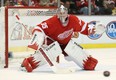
x,y
106,58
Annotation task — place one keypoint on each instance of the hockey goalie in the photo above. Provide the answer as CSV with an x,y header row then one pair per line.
x,y
53,37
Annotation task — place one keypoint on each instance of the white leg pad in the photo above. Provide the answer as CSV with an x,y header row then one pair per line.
x,y
38,57
76,53
50,54
53,51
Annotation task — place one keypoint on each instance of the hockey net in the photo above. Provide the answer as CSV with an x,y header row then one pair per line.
x,y
15,33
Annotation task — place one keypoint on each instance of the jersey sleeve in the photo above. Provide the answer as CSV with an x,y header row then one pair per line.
x,y
81,26
84,28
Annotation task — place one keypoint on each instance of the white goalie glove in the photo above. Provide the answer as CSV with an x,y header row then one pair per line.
x,y
37,40
99,28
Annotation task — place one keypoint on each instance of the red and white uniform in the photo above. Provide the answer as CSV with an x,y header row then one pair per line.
x,y
54,29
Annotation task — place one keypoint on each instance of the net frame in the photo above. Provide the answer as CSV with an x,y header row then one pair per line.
x,y
6,17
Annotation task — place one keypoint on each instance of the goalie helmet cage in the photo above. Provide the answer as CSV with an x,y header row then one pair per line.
x,y
32,12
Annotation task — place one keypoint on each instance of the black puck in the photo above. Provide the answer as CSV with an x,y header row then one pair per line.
x,y
106,73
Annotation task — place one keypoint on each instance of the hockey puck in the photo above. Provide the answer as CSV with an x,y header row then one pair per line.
x,y
10,55
106,73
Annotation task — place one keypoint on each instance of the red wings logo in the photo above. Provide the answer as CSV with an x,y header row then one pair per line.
x,y
65,34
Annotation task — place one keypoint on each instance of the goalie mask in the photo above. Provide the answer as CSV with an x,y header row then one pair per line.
x,y
62,14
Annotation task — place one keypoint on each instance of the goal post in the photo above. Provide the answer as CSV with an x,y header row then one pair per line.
x,y
3,37
14,33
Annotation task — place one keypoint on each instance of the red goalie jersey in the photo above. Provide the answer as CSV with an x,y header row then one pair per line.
x,y
55,30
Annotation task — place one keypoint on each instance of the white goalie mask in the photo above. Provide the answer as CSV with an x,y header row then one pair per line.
x,y
62,14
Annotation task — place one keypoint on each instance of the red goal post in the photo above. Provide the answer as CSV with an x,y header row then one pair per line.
x,y
15,33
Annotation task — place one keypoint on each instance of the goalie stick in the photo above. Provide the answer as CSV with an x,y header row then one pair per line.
x,y
19,20
53,65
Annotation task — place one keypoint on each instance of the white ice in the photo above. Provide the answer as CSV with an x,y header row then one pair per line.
x,y
105,56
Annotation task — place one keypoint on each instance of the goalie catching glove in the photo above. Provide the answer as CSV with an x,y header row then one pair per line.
x,y
98,28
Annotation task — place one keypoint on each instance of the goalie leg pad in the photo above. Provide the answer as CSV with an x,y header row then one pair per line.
x,y
52,51
90,63
27,65
79,56
33,62
42,56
